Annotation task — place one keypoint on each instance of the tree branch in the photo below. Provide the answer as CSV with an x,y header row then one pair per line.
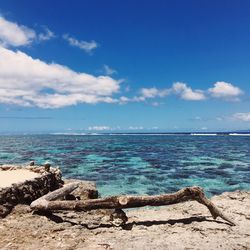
x,y
119,202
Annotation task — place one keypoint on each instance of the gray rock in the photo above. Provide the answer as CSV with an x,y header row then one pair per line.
x,y
86,190
32,163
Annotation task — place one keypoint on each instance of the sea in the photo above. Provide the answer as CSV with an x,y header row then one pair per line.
x,y
139,163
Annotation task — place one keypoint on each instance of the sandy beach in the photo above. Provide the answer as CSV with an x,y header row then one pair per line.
x,y
7,178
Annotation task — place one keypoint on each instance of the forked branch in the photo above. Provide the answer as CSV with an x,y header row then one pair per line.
x,y
119,202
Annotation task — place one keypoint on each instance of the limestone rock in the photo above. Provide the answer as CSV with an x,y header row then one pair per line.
x,y
86,190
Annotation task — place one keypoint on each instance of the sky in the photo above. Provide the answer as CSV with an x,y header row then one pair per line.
x,y
115,66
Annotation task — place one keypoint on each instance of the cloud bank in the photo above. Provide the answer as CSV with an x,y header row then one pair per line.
x,y
220,90
27,81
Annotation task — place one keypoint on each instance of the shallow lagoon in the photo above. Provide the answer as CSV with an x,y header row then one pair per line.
x,y
139,164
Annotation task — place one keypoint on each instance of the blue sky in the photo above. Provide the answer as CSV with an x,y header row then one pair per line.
x,y
124,66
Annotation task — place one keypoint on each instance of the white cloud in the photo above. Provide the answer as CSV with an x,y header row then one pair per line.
x,y
245,117
153,92
13,34
149,93
226,91
31,82
146,93
186,93
135,128
180,89
204,128
138,99
99,128
108,70
83,45
47,35
124,100
220,90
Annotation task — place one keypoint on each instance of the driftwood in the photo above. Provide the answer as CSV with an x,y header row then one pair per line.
x,y
119,202
58,193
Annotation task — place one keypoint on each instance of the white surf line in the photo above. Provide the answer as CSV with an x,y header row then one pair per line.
x,y
238,134
198,134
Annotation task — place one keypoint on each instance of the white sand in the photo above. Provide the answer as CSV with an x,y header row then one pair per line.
x,y
8,177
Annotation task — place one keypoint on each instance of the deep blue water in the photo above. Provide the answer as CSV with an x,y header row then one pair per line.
x,y
139,164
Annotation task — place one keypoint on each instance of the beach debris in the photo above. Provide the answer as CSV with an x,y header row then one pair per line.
x,y
58,193
49,202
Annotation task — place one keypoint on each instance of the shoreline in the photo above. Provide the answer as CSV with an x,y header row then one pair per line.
x,y
186,225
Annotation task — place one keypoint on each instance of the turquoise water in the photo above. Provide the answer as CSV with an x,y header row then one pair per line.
x,y
139,164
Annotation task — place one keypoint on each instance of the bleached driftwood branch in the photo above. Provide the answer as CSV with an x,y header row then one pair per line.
x,y
58,193
119,202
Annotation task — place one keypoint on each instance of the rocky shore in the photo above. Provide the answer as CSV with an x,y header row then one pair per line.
x,y
23,184
183,226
